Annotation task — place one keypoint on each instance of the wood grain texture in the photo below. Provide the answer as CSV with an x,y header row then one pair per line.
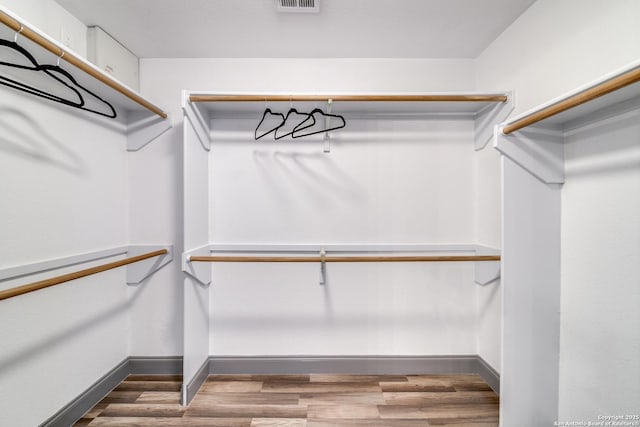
x,y
159,397
321,378
326,387
231,386
203,409
289,378
341,411
309,399
368,423
278,422
143,410
169,422
315,400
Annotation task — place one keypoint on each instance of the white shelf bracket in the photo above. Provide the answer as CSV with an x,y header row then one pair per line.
x,y
486,272
143,128
198,271
198,121
538,150
323,267
326,141
140,271
488,118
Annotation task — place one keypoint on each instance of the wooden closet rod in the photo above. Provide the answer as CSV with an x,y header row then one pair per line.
x,y
78,62
20,290
389,258
614,84
391,98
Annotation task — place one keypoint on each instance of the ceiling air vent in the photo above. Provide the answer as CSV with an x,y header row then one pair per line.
x,y
298,6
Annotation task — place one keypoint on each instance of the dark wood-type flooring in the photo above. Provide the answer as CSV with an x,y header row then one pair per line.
x,y
301,400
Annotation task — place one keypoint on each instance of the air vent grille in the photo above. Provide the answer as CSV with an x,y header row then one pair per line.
x,y
298,6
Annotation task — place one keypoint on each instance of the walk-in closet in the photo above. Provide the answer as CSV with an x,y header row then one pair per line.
x,y
320,213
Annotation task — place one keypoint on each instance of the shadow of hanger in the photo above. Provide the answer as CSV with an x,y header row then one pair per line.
x,y
318,125
293,119
267,117
56,73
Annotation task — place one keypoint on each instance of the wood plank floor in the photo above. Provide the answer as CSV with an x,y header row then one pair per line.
x,y
301,400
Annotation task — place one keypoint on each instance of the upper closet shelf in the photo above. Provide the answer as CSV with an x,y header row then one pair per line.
x,y
376,104
485,109
51,77
610,91
535,140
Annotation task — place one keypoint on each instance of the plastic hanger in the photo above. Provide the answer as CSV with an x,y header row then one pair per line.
x,y
33,66
298,132
290,122
56,73
50,69
268,112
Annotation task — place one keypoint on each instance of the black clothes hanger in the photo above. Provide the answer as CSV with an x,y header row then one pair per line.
x,y
268,112
56,73
51,69
33,66
293,119
299,131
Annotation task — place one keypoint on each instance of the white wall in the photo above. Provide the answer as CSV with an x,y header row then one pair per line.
x,y
488,223
329,187
63,192
385,181
599,367
554,47
53,20
155,217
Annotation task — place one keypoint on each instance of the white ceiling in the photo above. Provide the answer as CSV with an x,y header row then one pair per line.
x,y
342,29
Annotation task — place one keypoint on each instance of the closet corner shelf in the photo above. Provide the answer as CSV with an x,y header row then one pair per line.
x,y
613,89
137,111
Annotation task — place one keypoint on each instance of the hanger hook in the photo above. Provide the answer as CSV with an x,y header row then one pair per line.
x,y
59,58
15,37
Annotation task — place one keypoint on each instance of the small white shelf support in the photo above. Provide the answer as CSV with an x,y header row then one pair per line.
x,y
140,271
487,272
539,150
326,140
198,120
143,128
199,271
486,120
323,267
